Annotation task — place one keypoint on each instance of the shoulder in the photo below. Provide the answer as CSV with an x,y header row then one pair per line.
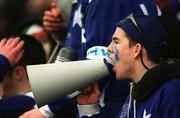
x,y
19,101
171,93
172,86
13,107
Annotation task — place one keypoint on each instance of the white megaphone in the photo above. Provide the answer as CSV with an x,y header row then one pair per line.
x,y
50,81
95,52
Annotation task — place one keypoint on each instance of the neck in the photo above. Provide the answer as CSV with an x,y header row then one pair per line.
x,y
19,89
23,87
140,70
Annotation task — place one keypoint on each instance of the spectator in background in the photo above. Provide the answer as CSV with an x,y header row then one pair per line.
x,y
10,53
36,8
17,96
35,28
16,81
14,12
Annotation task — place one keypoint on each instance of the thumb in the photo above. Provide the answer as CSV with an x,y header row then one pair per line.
x,y
55,9
53,4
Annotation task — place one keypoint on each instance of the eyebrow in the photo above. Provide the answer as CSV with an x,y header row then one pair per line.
x,y
115,38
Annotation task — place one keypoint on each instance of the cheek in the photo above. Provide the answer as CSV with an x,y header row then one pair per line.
x,y
116,55
122,68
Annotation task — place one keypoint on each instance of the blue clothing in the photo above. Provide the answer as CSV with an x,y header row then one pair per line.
x,y
64,108
99,19
93,23
5,66
157,94
12,107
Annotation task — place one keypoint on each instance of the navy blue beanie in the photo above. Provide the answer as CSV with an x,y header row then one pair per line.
x,y
151,36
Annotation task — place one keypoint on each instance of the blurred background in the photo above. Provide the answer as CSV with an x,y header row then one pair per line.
x,y
14,12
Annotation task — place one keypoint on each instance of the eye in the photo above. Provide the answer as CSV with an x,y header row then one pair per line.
x,y
116,42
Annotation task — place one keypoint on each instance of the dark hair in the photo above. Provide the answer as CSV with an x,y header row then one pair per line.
x,y
152,57
33,51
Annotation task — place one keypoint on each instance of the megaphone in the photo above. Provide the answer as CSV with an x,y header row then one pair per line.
x,y
50,81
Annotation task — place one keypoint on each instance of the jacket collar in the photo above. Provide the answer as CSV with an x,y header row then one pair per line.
x,y
168,69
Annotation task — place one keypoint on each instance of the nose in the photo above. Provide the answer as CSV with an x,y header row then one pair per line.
x,y
110,48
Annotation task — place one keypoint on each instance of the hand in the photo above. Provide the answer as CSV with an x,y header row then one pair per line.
x,y
52,20
12,49
34,113
89,95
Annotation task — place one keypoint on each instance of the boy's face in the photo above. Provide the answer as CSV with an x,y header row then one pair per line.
x,y
122,54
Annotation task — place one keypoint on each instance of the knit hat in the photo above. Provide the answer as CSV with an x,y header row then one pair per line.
x,y
146,30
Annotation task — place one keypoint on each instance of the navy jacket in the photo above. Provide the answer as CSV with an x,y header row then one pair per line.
x,y
93,23
157,94
14,106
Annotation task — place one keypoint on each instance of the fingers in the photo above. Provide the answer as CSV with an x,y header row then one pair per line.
x,y
52,19
18,50
52,23
19,45
16,44
18,56
12,49
12,42
96,88
87,90
3,42
53,26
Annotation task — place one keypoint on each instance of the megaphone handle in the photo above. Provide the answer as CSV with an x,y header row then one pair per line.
x,y
74,94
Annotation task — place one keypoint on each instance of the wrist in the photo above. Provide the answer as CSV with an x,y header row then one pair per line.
x,y
88,110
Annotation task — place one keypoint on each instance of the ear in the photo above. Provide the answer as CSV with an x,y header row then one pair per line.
x,y
137,50
19,73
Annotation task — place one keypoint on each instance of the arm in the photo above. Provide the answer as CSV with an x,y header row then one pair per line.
x,y
10,53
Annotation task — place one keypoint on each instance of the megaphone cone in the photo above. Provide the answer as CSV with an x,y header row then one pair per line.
x,y
50,81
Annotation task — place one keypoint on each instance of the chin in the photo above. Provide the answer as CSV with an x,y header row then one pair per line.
x,y
120,77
